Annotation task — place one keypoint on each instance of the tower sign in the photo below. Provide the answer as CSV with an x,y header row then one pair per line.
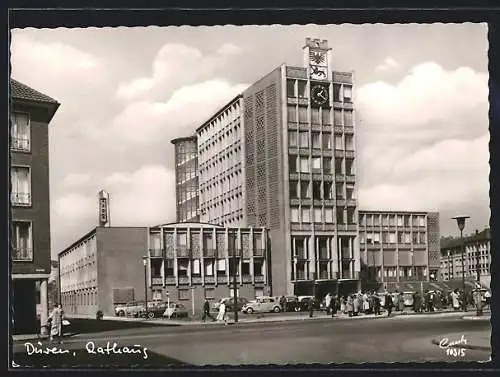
x,y
317,59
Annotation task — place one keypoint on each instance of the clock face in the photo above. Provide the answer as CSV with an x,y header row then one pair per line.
x,y
319,95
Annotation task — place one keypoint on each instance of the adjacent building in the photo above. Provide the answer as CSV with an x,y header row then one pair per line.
x,y
477,258
398,247
281,155
30,115
186,263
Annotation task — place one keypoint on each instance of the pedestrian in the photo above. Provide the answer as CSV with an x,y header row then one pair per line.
x,y
328,302
311,307
206,311
283,304
334,306
376,303
355,305
349,306
222,313
388,304
342,305
401,301
454,300
430,302
366,304
487,298
478,301
56,319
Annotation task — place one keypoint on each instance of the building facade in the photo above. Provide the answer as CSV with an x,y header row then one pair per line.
x,y
186,263
30,115
282,156
399,247
477,258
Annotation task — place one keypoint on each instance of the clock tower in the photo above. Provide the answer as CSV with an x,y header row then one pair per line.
x,y
317,59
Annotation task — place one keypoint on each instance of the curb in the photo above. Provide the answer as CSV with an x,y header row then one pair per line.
x,y
476,318
466,346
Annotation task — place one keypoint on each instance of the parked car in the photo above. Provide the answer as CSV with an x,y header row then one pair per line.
x,y
303,303
291,303
175,310
131,309
262,304
408,298
229,301
120,310
155,309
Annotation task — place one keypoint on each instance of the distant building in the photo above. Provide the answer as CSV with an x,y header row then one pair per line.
x,y
398,247
477,257
53,285
187,262
30,115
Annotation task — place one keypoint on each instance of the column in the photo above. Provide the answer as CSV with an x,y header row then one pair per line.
x,y
251,247
216,259
43,303
330,258
339,253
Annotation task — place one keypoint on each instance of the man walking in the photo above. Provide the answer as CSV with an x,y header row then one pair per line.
x,y
328,301
206,311
388,304
283,303
454,300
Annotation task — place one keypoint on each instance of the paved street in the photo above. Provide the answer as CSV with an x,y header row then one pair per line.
x,y
398,339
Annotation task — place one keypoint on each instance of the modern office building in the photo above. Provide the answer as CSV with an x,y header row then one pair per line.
x,y
398,247
477,257
186,263
30,115
281,155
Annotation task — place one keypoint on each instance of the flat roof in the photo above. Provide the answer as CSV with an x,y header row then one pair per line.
x,y
185,138
219,111
395,212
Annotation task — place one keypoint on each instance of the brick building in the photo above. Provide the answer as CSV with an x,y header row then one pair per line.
x,y
30,115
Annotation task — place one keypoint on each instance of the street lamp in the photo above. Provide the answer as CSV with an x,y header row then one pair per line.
x,y
461,226
145,263
235,268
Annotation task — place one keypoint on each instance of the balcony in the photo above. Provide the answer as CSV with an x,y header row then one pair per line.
x,y
20,199
247,279
221,279
258,252
209,253
183,252
156,280
404,245
338,129
349,153
339,153
169,254
20,144
259,278
170,280
339,177
352,227
183,279
349,129
234,253
350,178
341,202
209,279
196,279
22,254
156,253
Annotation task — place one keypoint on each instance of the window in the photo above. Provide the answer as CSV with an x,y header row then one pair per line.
x,y
209,293
421,220
392,220
376,238
329,215
327,141
258,268
347,93
325,116
290,88
350,192
400,220
316,164
349,166
209,267
338,166
294,192
340,215
317,215
302,88
316,190
348,118
292,114
339,145
306,215
339,189
21,185
196,267
376,220
349,142
337,117
304,139
385,237
22,243
414,237
292,163
302,114
407,237
407,220
304,190
351,218
385,220
316,140
183,294
422,237
337,94
292,139
221,267
20,132
304,164
392,237
182,267
327,165
295,214
315,115
362,219
327,190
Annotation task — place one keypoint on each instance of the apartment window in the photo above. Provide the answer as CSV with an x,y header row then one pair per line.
x,y
20,132
316,140
302,88
183,294
221,267
327,140
349,166
303,114
290,88
306,215
304,190
292,163
362,237
407,237
315,115
327,190
295,214
369,238
421,237
339,145
304,164
183,266
392,237
421,220
407,220
351,218
316,164
347,93
292,114
362,219
258,269
317,215
329,215
245,267
376,238
22,241
392,220
294,192
292,139
209,267
376,220
196,267
325,115
414,237
400,220
337,117
337,93
327,165
350,192
385,237
340,215
21,185
339,189
316,190
348,121
304,139
169,267
349,142
338,166
385,220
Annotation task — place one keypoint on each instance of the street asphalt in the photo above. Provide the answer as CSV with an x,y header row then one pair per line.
x,y
324,340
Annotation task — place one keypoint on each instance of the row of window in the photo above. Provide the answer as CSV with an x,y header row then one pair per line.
x,y
232,220
321,190
301,249
306,164
186,157
83,298
219,124
300,88
393,237
222,140
392,220
219,187
418,272
208,240
20,132
185,267
302,270
224,207
322,215
218,166
304,139
299,114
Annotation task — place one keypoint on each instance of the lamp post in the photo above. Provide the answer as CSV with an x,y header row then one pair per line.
x,y
461,225
235,267
145,263
478,266
412,261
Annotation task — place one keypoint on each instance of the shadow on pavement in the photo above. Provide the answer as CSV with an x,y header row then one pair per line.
x,y
81,359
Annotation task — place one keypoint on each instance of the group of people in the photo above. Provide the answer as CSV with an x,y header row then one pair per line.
x,y
54,324
362,302
221,315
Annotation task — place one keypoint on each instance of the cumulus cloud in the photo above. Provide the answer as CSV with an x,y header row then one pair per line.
x,y
176,65
76,179
388,64
75,207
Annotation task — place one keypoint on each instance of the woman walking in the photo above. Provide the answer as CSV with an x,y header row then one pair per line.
x,y
349,306
56,323
222,313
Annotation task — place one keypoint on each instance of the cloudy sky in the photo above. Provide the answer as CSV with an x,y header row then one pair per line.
x,y
421,97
